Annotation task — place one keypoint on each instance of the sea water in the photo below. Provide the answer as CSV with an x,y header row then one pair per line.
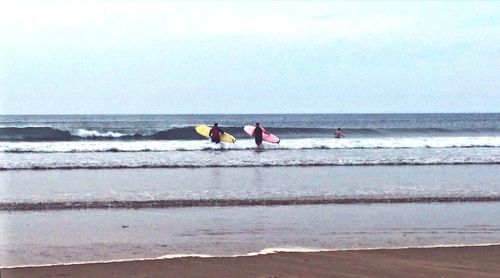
x,y
107,187
148,141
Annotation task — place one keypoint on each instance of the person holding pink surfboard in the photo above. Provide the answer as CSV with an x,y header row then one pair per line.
x,y
257,134
260,134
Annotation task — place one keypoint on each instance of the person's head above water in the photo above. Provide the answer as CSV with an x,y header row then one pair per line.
x,y
257,124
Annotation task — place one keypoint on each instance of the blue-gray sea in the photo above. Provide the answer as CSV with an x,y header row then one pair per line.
x,y
76,188
165,141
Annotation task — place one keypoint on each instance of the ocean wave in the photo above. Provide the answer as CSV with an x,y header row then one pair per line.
x,y
41,133
248,144
34,134
20,206
243,154
84,133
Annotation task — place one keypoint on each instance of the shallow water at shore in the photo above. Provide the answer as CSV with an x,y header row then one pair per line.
x,y
235,211
285,184
33,238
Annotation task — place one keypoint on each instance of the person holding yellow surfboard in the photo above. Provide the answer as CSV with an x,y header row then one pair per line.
x,y
215,133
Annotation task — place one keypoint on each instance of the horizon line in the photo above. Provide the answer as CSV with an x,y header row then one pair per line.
x,y
207,114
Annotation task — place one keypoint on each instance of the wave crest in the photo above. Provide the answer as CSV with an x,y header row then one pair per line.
x,y
36,133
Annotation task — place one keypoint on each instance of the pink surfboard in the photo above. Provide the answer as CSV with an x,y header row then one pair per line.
x,y
268,137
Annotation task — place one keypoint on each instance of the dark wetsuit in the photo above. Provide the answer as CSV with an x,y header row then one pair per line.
x,y
257,133
215,134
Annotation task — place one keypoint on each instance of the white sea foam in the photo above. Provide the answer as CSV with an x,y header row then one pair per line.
x,y
245,144
293,152
94,133
249,158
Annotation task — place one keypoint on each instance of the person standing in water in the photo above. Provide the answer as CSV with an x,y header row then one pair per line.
x,y
215,133
257,133
339,133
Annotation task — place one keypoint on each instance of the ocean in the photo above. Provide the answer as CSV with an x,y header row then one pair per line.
x,y
78,188
166,141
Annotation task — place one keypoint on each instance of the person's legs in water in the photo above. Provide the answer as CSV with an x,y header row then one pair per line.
x,y
258,142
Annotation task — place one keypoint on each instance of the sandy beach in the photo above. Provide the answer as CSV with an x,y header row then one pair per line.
x,y
478,261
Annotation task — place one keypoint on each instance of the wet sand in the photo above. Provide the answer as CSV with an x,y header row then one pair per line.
x,y
478,261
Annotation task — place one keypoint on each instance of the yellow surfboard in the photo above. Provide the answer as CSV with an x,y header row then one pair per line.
x,y
204,130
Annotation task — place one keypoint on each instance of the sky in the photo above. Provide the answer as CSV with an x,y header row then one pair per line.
x,y
177,57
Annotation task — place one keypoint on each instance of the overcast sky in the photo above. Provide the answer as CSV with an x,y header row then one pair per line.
x,y
74,57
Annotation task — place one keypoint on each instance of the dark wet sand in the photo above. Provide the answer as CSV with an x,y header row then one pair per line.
x,y
481,261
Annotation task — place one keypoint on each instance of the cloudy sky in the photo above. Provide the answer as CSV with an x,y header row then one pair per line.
x,y
75,57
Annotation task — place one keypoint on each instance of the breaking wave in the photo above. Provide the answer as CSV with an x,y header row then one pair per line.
x,y
39,133
33,134
248,144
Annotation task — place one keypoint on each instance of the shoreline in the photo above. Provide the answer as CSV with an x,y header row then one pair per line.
x,y
266,251
458,261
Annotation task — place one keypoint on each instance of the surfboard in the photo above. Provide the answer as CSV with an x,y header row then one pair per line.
x,y
204,130
268,137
